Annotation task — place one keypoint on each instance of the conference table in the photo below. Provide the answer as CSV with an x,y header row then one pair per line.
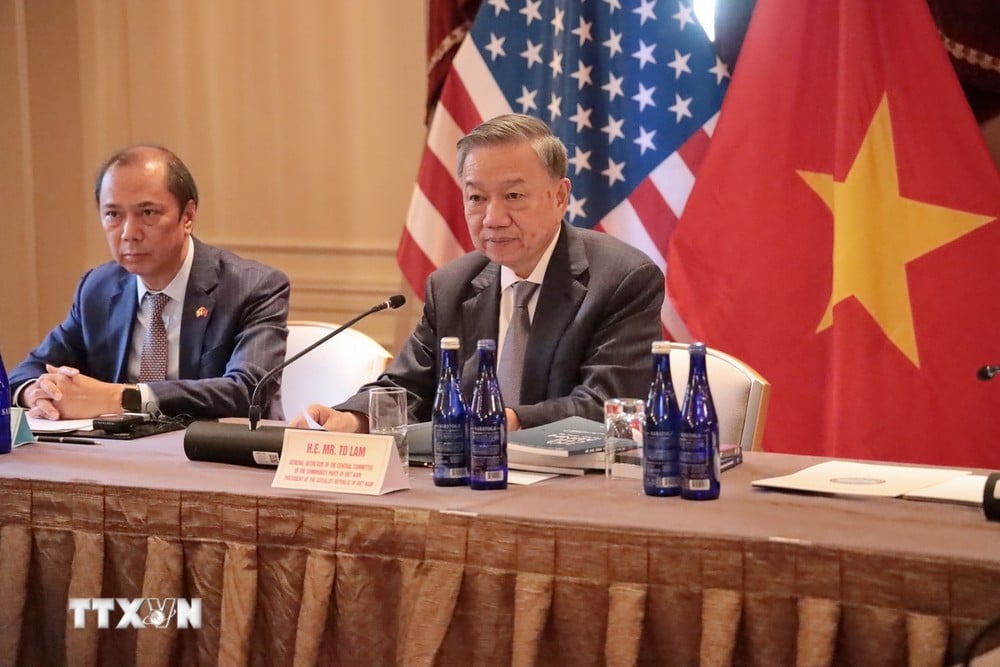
x,y
569,571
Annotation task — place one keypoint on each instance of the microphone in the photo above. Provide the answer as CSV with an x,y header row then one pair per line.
x,y
391,303
987,372
231,443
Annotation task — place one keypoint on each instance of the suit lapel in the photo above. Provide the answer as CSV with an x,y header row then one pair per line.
x,y
559,300
122,306
199,308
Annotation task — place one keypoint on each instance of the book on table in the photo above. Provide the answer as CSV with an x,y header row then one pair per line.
x,y
570,443
547,469
628,464
568,446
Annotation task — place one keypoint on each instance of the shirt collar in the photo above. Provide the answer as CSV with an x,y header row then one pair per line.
x,y
178,286
537,275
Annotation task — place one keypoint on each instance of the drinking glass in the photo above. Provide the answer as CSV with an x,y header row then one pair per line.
x,y
387,416
624,419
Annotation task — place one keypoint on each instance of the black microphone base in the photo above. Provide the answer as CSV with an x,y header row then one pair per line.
x,y
991,497
234,443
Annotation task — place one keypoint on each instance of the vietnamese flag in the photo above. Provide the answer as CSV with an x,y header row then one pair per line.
x,y
843,237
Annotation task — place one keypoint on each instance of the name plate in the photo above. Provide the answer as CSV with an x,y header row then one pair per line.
x,y
20,431
340,463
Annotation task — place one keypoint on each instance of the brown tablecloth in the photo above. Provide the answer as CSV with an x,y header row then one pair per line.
x,y
573,570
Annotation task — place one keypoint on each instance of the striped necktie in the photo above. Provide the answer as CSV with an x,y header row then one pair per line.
x,y
515,343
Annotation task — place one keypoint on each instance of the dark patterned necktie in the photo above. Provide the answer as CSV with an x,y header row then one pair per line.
x,y
515,343
153,363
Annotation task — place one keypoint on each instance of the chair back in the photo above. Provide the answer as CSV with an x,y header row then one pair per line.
x,y
740,394
333,371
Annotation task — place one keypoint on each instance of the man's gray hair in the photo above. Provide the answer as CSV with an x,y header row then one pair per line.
x,y
515,128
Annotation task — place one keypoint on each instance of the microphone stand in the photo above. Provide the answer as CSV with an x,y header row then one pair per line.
x,y
254,413
230,443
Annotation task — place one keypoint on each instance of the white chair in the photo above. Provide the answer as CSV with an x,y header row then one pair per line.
x,y
740,394
333,371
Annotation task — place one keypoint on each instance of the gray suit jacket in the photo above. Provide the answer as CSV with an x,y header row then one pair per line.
x,y
598,311
223,353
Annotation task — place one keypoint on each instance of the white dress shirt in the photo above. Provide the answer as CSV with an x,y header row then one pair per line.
x,y
171,321
507,280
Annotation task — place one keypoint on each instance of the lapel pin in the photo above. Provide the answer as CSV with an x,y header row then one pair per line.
x,y
201,312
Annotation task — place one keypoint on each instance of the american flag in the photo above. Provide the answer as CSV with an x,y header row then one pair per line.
x,y
632,87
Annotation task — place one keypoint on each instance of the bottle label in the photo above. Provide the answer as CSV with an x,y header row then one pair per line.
x,y
660,465
487,448
699,457
486,440
449,449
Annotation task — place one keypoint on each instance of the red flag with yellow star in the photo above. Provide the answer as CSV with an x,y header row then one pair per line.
x,y
843,237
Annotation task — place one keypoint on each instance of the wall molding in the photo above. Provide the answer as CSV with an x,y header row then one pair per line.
x,y
334,282
304,248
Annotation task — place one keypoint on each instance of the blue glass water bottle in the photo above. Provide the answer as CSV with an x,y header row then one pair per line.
x,y
5,440
450,437
661,442
487,423
699,433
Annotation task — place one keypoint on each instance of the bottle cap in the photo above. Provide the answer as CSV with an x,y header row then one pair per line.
x,y
450,343
696,348
486,344
661,347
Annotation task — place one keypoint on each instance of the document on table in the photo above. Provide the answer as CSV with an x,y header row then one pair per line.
x,y
964,490
59,425
522,478
861,479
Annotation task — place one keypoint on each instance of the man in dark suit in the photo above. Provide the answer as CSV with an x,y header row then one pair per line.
x,y
172,325
593,316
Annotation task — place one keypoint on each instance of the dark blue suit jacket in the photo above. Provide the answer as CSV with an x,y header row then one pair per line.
x,y
223,353
598,311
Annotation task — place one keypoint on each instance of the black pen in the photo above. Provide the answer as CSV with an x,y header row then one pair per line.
x,y
65,441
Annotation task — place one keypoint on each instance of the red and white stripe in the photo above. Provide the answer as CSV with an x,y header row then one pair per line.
x,y
435,231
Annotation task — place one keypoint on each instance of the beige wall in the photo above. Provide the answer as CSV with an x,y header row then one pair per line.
x,y
301,121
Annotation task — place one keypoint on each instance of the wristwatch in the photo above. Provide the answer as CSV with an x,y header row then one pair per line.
x,y
131,399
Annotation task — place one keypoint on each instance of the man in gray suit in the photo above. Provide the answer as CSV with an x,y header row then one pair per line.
x,y
172,325
592,319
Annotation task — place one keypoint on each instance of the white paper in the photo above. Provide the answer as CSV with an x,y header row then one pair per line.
x,y
523,478
310,422
59,425
861,479
966,489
